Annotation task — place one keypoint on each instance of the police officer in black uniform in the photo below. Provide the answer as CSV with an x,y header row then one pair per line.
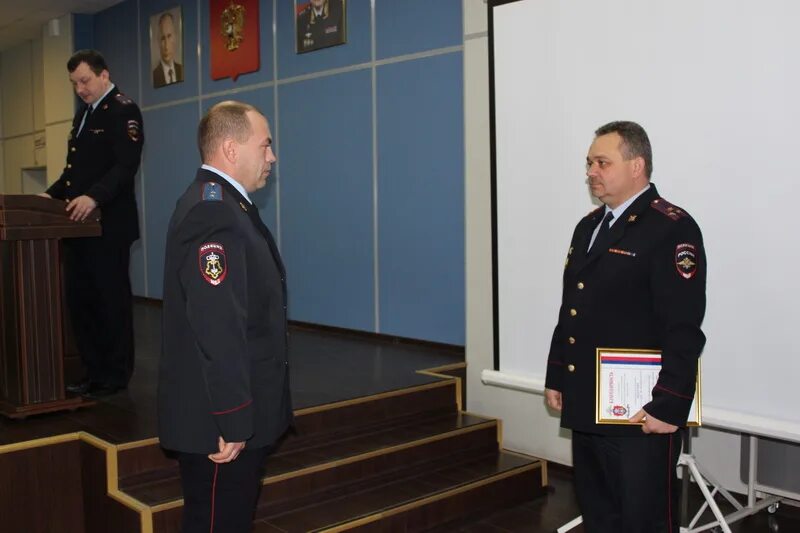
x,y
320,24
635,278
223,389
103,154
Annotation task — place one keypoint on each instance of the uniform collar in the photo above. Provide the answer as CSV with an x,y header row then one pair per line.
x,y
97,103
620,209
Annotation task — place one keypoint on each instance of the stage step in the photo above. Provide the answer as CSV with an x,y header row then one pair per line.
x,y
404,442
402,460
139,465
439,493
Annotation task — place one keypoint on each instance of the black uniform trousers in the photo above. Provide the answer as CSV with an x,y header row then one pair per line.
x,y
98,291
627,484
220,498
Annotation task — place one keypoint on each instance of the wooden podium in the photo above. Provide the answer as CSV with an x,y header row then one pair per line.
x,y
31,321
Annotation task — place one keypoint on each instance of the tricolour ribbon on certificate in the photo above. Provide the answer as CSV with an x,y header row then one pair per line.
x,y
625,381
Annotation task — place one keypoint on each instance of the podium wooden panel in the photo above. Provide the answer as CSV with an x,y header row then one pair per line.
x,y
31,329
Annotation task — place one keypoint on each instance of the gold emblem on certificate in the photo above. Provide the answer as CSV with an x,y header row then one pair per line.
x,y
625,381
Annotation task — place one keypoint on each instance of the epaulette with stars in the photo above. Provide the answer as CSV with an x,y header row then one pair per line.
x,y
122,99
666,208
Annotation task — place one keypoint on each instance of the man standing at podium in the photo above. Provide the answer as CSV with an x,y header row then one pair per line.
x,y
103,154
634,279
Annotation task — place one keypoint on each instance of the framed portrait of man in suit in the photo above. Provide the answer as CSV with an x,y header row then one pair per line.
x,y
320,24
166,47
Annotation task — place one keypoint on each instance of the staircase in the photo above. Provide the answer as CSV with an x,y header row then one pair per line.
x,y
405,460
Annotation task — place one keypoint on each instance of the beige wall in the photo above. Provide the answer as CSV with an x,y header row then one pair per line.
x,y
18,154
527,425
17,75
37,103
59,98
17,78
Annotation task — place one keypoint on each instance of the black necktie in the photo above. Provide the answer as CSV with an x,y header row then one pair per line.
x,y
86,119
601,241
170,77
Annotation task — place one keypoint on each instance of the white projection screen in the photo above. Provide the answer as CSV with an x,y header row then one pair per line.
x,y
716,84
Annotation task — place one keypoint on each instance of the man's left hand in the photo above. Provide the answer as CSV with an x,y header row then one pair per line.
x,y
652,424
80,207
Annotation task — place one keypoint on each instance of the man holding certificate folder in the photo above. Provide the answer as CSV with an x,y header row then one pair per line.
x,y
634,284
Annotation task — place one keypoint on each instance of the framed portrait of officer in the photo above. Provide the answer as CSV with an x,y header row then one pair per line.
x,y
166,47
320,24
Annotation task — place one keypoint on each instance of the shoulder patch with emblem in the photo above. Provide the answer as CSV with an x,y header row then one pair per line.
x,y
666,208
686,260
134,130
212,192
213,266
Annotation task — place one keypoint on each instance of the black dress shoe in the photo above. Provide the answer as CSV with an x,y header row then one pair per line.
x,y
79,387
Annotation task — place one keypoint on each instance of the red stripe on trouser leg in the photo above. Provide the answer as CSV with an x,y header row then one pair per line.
x,y
213,495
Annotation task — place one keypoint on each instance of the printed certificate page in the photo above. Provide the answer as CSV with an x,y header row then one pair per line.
x,y
625,381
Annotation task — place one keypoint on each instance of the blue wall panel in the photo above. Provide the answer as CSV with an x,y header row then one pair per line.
x,y
319,201
189,86
265,198
357,50
83,31
169,165
114,34
264,72
326,199
421,198
413,26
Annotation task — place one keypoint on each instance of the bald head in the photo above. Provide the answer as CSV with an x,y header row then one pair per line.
x,y
225,120
234,137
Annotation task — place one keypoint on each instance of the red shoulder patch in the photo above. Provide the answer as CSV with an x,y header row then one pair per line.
x,y
213,266
666,208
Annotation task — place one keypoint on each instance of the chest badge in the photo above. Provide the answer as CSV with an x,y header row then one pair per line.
x,y
213,266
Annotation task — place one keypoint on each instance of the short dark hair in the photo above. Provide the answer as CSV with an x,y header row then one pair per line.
x,y
225,119
634,142
92,58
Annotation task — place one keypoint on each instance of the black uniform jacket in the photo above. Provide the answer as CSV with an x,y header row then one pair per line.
x,y
224,368
102,162
646,289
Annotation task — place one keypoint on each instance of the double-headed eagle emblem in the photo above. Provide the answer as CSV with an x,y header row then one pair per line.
x,y
233,26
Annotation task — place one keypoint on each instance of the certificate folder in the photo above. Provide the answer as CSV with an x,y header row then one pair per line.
x,y
625,381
